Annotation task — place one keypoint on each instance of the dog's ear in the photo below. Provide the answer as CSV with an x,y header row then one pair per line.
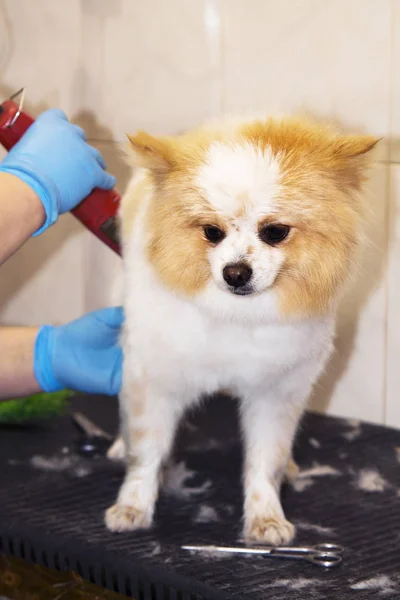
x,y
154,153
351,158
351,146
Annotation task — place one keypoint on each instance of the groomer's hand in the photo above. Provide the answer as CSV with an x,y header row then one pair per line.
x,y
55,160
83,355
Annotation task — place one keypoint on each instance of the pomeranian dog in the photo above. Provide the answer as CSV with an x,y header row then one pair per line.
x,y
238,239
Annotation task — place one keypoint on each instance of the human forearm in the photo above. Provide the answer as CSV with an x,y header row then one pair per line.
x,y
82,355
21,214
17,376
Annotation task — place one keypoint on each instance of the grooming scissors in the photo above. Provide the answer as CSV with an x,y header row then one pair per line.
x,y
94,441
322,555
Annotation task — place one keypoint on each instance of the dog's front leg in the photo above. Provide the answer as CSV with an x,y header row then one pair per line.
x,y
269,419
149,420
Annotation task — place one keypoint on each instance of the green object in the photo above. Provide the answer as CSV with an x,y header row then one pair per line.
x,y
37,406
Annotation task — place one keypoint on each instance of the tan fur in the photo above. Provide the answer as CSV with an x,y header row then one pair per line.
x,y
176,216
139,390
242,211
178,249
126,518
138,407
292,471
322,176
282,452
138,434
130,207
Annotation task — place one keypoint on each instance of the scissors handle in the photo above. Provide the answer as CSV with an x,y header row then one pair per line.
x,y
324,559
331,548
320,559
323,555
321,548
94,441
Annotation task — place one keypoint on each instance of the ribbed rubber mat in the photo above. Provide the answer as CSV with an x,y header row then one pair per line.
x,y
52,503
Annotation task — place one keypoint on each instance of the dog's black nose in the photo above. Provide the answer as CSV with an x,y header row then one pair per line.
x,y
237,274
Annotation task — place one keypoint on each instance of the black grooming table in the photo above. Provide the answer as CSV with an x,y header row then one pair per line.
x,y
52,503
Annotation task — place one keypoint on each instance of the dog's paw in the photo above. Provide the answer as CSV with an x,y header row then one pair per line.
x,y
269,530
117,450
121,517
292,471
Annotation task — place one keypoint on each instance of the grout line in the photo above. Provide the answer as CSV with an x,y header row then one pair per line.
x,y
387,162
222,55
392,34
212,27
388,212
388,207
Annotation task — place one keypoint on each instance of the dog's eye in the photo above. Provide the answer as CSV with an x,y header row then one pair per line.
x,y
274,234
213,233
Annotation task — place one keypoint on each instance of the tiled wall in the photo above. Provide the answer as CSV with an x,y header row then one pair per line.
x,y
116,65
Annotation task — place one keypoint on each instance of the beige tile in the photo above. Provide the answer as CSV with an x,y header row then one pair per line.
x,y
354,383
156,65
393,318
331,59
113,155
114,66
395,97
102,275
43,281
40,48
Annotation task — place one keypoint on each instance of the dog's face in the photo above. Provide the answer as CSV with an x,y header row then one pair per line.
x,y
257,208
247,234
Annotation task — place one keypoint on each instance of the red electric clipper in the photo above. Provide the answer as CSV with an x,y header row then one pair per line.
x,y
98,211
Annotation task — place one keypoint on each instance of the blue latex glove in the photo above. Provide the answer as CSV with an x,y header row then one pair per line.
x,y
54,158
83,355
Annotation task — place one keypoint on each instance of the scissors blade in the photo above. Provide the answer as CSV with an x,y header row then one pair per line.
x,y
228,549
90,428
